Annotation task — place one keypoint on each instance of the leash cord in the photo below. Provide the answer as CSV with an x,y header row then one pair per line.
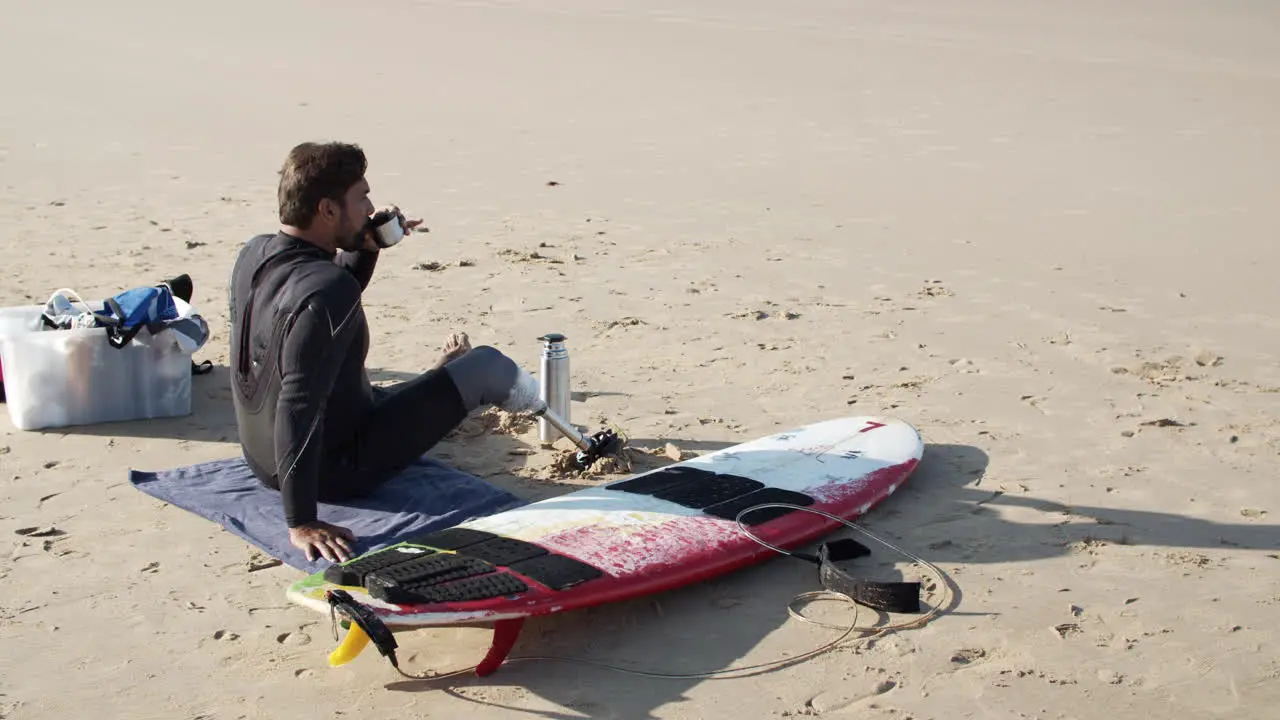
x,y
848,630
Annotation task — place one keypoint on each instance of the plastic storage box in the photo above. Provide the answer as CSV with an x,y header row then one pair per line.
x,y
59,378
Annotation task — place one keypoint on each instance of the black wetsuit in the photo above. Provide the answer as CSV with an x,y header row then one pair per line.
x,y
311,425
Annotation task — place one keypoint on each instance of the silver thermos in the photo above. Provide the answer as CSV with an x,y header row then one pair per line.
x,y
554,383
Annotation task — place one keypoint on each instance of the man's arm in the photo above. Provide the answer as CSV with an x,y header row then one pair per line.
x,y
312,353
359,263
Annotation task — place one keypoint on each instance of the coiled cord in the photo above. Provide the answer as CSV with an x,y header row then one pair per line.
x,y
745,671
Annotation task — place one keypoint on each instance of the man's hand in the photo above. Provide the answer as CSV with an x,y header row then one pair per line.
x,y
320,538
408,225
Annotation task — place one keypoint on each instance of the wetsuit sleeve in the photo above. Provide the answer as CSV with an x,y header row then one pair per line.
x,y
312,354
359,263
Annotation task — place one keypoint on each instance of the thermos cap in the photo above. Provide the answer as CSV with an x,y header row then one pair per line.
x,y
552,338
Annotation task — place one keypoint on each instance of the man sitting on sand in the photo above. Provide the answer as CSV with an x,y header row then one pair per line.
x,y
310,423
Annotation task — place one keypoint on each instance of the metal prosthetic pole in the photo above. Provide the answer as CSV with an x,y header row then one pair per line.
x,y
590,448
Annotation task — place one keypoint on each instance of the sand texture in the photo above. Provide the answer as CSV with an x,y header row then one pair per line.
x,y
1043,233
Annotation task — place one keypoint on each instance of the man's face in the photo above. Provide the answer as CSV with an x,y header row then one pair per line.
x,y
356,209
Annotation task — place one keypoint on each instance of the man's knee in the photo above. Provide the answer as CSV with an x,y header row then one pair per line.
x,y
486,353
483,376
489,362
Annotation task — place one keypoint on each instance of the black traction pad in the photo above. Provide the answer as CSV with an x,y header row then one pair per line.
x,y
454,538
556,571
433,569
475,553
474,588
353,572
662,480
729,509
709,491
503,551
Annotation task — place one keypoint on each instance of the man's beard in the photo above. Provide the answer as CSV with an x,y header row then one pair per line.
x,y
349,239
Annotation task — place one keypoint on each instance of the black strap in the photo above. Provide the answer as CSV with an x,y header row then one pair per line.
x,y
898,597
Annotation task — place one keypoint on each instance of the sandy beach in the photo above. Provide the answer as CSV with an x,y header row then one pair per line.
x,y
1038,232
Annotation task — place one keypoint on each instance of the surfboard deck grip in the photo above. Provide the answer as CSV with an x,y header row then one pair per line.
x,y
729,509
556,571
454,538
661,480
710,491
503,551
481,587
354,572
431,570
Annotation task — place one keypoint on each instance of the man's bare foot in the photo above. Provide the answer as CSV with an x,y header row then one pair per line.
x,y
455,346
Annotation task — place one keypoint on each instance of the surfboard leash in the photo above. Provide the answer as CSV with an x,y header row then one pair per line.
x,y
838,586
366,627
894,597
902,597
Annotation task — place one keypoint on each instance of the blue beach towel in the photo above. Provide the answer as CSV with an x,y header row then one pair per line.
x,y
427,496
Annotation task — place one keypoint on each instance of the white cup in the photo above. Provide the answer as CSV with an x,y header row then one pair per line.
x,y
389,232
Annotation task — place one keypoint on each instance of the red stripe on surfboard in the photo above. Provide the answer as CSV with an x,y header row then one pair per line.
x,y
689,549
687,543
692,549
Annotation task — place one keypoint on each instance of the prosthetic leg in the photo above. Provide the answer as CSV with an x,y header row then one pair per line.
x,y
590,448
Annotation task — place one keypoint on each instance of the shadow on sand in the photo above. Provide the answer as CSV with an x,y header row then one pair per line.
x,y
212,417
712,625
709,626
212,420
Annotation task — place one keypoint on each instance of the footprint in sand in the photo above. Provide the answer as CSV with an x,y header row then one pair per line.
x,y
968,656
836,700
40,532
1066,630
295,639
934,288
1172,369
259,560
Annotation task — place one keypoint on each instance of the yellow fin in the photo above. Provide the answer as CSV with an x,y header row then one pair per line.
x,y
351,646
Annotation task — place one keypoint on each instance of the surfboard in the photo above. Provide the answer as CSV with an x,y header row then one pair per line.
x,y
646,533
